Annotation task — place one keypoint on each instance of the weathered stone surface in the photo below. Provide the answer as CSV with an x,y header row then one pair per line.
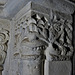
x,y
40,37
60,68
33,32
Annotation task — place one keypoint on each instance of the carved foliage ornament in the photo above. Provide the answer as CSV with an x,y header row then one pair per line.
x,y
56,36
61,38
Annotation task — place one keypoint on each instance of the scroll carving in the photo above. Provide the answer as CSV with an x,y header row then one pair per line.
x,y
4,38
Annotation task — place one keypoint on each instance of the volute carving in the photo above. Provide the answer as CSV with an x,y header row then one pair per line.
x,y
4,38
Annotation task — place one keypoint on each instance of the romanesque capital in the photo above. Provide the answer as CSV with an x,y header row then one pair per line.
x,y
42,36
45,28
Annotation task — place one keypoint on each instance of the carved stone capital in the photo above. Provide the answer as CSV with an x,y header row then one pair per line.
x,y
46,28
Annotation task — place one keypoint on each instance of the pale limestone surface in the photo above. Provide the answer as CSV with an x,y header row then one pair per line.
x,y
60,68
40,41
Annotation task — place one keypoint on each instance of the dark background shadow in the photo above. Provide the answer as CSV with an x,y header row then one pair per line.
x,y
73,59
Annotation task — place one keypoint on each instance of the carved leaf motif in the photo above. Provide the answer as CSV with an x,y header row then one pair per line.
x,y
58,33
61,34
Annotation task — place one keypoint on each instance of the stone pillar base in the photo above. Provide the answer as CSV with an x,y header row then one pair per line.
x,y
60,68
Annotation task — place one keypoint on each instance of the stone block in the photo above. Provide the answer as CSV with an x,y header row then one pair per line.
x,y
60,68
